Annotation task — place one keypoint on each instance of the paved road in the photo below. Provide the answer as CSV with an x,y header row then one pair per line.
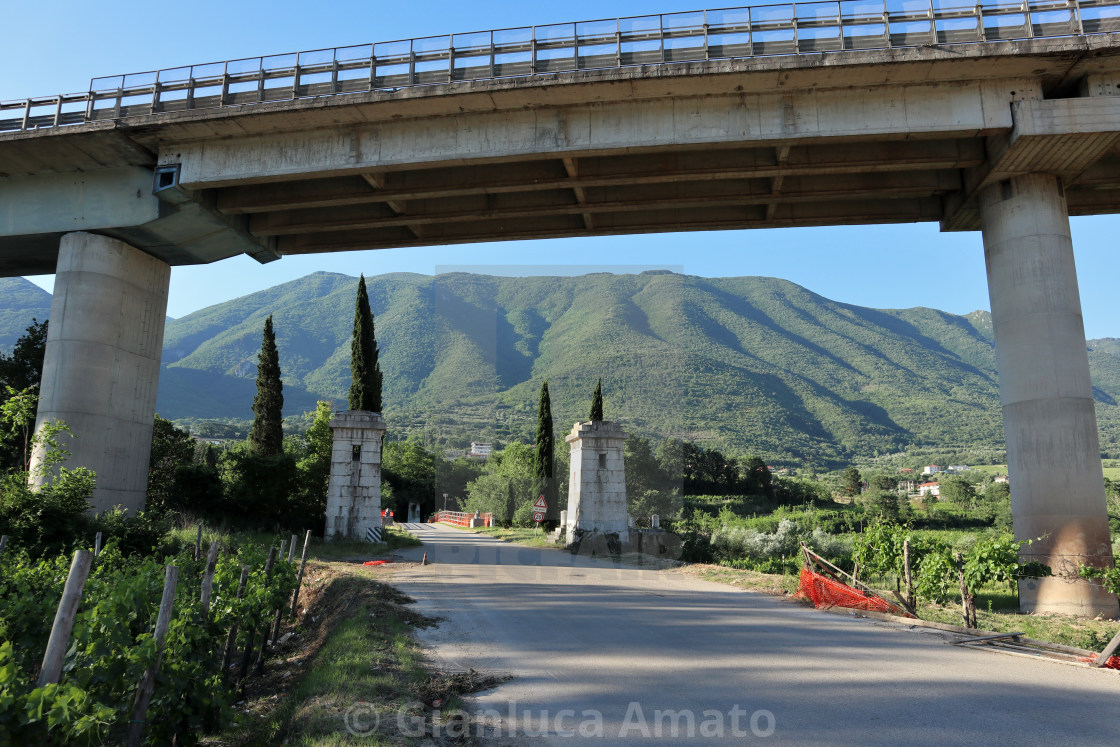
x,y
610,654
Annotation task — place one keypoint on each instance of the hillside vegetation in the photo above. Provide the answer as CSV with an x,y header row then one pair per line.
x,y
750,363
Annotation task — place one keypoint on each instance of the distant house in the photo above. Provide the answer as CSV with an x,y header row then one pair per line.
x,y
480,450
907,485
932,469
906,469
1002,478
958,468
930,488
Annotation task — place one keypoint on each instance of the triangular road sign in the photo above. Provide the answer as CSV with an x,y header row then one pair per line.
x,y
540,504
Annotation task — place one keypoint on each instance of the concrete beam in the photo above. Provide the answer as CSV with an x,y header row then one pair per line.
x,y
1053,451
37,211
606,171
1065,137
62,203
101,368
590,202
862,114
709,217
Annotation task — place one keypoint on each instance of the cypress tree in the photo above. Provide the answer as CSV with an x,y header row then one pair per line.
x,y
543,456
597,402
267,435
365,387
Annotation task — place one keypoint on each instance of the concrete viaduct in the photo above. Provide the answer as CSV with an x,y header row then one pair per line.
x,y
1000,118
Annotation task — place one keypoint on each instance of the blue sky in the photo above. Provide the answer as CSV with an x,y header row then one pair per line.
x,y
56,47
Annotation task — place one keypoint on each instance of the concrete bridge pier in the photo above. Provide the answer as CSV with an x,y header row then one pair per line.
x,y
101,368
1053,450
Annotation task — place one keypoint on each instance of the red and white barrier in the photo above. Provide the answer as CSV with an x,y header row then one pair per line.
x,y
461,519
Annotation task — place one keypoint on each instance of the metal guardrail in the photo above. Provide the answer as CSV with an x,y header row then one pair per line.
x,y
729,33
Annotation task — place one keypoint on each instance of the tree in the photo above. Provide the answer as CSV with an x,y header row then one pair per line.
x,y
47,519
365,387
544,461
171,449
881,482
452,477
597,403
886,505
314,466
757,475
17,421
411,470
851,483
998,492
649,489
267,435
506,489
20,374
958,491
23,368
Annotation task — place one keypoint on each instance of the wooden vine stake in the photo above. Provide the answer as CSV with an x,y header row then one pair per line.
x,y
1109,650
231,639
51,669
299,576
3,543
198,543
148,681
208,578
909,578
967,608
97,545
280,608
268,567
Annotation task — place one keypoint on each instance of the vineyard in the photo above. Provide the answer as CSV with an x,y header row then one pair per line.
x,y
108,648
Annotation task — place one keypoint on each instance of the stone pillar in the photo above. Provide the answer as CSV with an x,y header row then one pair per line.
x,y
1053,452
101,367
354,489
597,480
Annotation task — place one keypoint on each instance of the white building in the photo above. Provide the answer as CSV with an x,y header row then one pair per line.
x,y
932,469
480,450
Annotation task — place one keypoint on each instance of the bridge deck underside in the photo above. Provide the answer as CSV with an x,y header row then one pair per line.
x,y
769,186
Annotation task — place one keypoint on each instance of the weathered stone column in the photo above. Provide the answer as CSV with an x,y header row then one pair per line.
x,y
354,488
1053,451
597,480
101,367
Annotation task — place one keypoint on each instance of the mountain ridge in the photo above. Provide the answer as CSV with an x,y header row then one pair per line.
x,y
750,363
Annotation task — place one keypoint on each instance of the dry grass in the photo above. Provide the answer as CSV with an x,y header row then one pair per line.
x,y
767,583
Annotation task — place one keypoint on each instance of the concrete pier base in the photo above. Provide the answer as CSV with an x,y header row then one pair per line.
x,y
1053,450
354,487
597,480
101,367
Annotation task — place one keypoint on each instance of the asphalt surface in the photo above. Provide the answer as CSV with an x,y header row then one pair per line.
x,y
602,653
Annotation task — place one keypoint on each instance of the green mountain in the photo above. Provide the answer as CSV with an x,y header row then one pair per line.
x,y
21,301
753,364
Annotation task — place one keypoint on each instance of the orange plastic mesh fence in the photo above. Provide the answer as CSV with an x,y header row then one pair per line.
x,y
1112,663
826,592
